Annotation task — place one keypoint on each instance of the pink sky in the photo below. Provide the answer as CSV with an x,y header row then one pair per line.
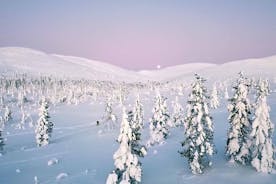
x,y
142,34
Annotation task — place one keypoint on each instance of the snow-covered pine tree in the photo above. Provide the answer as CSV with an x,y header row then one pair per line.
x,y
29,119
121,96
109,119
70,97
138,113
21,124
44,126
159,121
7,114
21,98
238,135
198,144
262,148
226,94
214,101
1,133
178,113
136,147
128,168
1,100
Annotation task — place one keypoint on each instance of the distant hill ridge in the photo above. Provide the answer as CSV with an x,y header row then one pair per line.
x,y
35,62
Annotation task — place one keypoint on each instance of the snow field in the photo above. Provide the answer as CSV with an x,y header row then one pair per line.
x,y
86,157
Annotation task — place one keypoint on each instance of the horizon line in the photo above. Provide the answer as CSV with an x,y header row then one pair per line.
x,y
137,70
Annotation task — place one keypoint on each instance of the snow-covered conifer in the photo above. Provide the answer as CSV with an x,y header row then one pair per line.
x,y
238,141
21,124
30,120
136,147
226,94
70,97
262,148
178,113
1,133
7,114
159,121
214,101
138,113
1,100
198,144
128,168
121,96
21,99
44,126
109,119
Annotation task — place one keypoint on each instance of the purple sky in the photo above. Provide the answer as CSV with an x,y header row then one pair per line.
x,y
140,34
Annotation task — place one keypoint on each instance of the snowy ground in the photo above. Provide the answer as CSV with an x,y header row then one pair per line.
x,y
81,152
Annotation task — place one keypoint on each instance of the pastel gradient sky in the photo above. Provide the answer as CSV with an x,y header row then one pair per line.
x,y
140,34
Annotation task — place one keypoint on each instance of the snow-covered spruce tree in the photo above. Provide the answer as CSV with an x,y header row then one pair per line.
x,y
44,126
29,119
1,101
1,133
128,168
214,101
70,97
198,146
121,95
178,113
21,124
136,147
262,148
7,114
159,121
238,141
109,119
21,98
138,113
226,95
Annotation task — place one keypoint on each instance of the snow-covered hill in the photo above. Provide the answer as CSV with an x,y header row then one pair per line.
x,y
175,72
35,62
24,60
261,67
